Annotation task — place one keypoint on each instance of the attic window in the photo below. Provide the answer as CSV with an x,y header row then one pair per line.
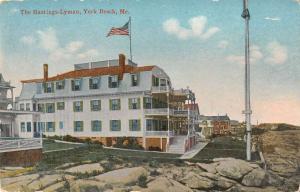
x,y
113,81
134,80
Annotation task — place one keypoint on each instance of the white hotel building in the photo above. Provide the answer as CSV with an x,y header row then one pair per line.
x,y
109,99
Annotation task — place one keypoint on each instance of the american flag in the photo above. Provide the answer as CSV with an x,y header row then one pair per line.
x,y
119,31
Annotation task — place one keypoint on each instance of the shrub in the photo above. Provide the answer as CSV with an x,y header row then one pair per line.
x,y
151,148
142,181
128,143
153,163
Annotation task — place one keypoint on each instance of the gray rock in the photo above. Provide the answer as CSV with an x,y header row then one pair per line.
x,y
233,168
122,176
85,168
219,181
211,168
161,184
195,181
240,188
256,178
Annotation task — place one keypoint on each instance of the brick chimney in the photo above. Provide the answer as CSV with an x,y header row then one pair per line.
x,y
122,65
45,67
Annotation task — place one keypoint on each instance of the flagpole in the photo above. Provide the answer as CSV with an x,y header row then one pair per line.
x,y
247,112
130,38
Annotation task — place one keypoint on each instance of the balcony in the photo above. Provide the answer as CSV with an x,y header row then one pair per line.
x,y
180,113
20,144
160,89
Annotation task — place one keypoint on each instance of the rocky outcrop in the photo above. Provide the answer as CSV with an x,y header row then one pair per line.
x,y
233,168
122,176
257,177
224,174
85,168
165,184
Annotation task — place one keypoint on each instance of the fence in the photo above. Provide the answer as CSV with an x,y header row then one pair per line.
x,y
19,144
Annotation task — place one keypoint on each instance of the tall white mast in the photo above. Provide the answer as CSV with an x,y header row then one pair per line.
x,y
247,112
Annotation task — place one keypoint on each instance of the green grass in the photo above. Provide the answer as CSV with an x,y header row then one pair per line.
x,y
222,147
49,145
96,153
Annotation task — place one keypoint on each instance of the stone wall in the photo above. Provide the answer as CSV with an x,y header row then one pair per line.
x,y
21,158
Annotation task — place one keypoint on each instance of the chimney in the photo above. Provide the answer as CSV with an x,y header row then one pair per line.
x,y
122,65
45,67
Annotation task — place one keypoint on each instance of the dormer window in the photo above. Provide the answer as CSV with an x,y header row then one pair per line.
x,y
94,83
134,80
76,85
113,81
49,87
60,85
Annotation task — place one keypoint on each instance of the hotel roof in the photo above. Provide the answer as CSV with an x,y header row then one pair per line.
x,y
112,70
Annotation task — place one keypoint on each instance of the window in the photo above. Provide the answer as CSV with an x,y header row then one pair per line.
x,y
60,105
60,85
96,125
61,125
147,103
23,127
114,104
48,87
78,106
28,125
155,81
115,125
78,126
163,82
27,106
41,127
149,125
134,103
134,125
50,127
95,105
76,84
50,108
94,83
113,81
41,107
134,80
22,106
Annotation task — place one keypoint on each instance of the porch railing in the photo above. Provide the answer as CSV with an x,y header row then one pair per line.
x,y
17,144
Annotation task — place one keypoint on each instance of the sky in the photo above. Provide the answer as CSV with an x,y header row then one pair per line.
x,y
199,43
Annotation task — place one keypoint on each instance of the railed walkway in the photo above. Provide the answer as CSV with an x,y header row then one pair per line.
x,y
194,151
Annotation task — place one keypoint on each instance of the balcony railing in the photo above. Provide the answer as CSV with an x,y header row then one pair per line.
x,y
18,144
159,133
181,113
158,111
160,89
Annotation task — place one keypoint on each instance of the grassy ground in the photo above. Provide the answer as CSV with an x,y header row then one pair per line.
x,y
49,145
222,147
95,153
219,147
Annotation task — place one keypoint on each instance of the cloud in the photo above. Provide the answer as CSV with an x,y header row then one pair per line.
x,y
1,61
297,1
255,55
215,0
28,40
47,40
223,44
197,28
74,46
277,53
273,18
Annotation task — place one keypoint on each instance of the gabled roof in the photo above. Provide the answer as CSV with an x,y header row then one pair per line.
x,y
114,70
